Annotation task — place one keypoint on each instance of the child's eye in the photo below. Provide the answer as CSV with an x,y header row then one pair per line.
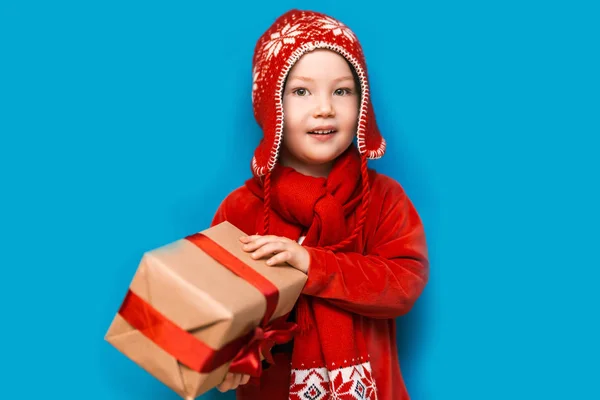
x,y
300,92
342,92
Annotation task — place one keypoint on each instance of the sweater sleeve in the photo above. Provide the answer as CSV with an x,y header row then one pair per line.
x,y
220,215
387,280
239,209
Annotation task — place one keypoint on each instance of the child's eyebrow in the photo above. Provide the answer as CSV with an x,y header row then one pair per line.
x,y
307,79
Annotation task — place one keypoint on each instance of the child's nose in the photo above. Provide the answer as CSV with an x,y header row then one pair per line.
x,y
324,108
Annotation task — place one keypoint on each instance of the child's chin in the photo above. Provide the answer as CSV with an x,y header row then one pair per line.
x,y
321,157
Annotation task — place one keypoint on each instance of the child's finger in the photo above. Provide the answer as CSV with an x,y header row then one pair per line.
x,y
245,379
237,378
247,239
280,258
267,249
226,384
261,241
250,238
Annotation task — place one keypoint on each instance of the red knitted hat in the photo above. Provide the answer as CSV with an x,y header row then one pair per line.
x,y
291,36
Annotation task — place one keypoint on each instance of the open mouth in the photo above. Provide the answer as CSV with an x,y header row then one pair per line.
x,y
322,132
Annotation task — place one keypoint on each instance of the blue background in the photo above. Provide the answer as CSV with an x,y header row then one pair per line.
x,y
124,124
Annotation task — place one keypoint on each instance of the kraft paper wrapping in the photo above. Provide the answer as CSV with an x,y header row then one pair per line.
x,y
201,296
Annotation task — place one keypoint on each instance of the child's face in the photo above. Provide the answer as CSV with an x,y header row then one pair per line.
x,y
320,95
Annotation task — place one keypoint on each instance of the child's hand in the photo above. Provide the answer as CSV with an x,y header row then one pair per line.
x,y
285,250
232,381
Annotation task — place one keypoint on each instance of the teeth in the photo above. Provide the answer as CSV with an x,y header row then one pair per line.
x,y
323,132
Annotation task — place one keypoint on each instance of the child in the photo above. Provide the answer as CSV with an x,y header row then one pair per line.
x,y
318,208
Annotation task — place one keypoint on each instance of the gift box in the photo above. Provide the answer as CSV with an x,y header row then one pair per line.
x,y
200,307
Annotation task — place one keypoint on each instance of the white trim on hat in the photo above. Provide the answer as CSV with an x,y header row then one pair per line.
x,y
362,119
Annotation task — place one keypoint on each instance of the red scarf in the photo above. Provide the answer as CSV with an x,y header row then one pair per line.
x,y
320,207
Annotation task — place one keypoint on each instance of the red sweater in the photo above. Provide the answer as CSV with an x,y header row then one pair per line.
x,y
377,286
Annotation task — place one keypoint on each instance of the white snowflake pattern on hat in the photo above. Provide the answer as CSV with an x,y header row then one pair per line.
x,y
337,27
255,78
278,49
279,39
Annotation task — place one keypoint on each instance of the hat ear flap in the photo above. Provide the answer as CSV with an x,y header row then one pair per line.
x,y
292,35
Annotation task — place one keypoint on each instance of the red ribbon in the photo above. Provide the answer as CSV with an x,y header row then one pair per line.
x,y
248,361
244,351
235,265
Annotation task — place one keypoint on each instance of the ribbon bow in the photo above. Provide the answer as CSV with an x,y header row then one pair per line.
x,y
262,340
